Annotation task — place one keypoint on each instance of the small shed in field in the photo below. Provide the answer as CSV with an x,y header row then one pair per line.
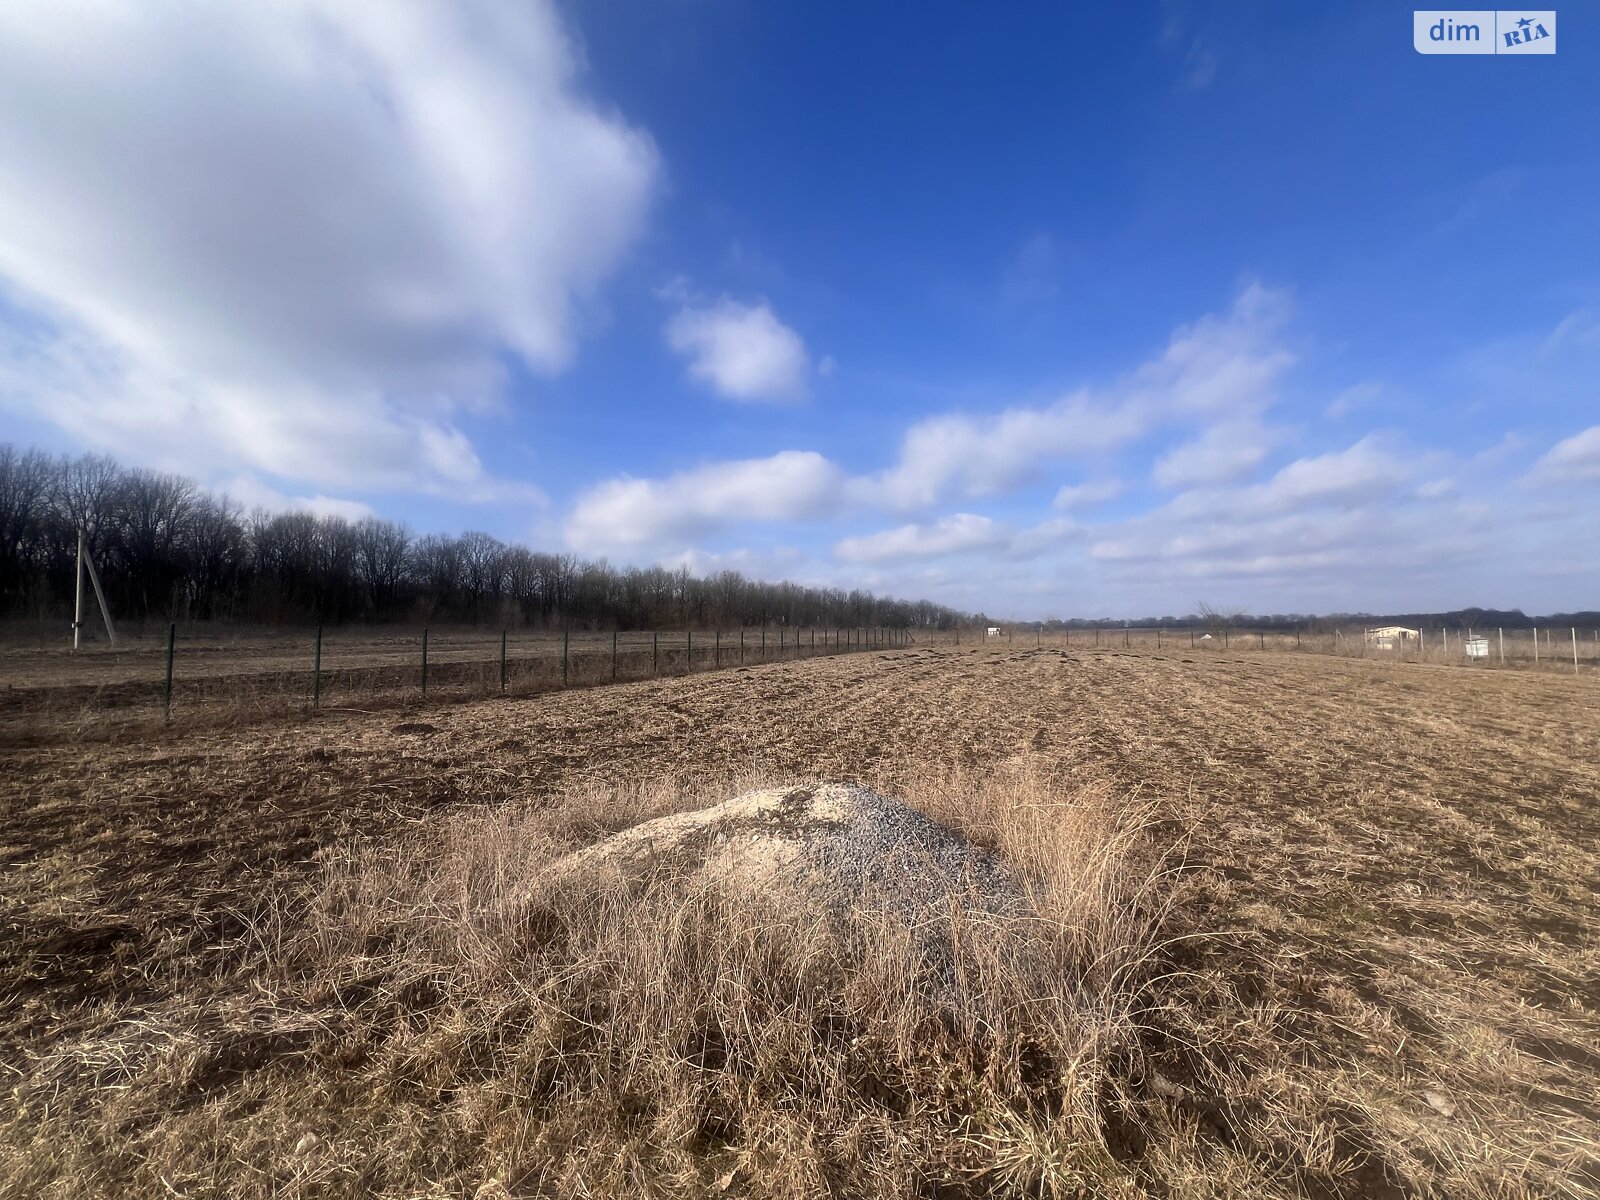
x,y
992,631
1387,637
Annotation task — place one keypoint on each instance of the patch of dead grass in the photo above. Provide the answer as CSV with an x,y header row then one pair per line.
x,y
438,1014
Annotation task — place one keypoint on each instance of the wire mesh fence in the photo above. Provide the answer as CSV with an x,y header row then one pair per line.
x,y
182,674
197,673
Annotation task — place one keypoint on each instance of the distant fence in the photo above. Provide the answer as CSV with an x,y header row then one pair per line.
x,y
1566,648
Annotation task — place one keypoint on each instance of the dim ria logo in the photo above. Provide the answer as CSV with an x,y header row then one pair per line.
x,y
1484,31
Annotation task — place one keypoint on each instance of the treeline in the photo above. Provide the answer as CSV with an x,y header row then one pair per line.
x,y
1455,619
168,549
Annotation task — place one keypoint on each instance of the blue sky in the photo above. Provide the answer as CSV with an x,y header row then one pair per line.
x,y
1056,310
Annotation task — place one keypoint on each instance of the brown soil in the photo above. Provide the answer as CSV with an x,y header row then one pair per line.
x,y
1388,974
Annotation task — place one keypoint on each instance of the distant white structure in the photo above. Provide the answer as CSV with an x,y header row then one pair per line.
x,y
1387,637
992,631
1477,646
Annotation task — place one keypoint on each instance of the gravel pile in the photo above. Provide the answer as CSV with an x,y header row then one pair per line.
x,y
834,846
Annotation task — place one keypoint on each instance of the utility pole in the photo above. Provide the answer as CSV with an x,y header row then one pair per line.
x,y
85,559
77,600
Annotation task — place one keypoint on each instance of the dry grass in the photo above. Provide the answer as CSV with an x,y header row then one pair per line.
x,y
438,1014
1315,927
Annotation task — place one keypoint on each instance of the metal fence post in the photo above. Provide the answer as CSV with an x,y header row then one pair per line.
x,y
741,645
688,652
718,648
316,673
566,642
166,700
424,660
655,652
613,656
502,662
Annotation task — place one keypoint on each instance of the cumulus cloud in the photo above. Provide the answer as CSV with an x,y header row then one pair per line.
x,y
949,535
958,533
298,238
1573,458
1360,474
1330,522
250,493
1221,454
741,351
1074,496
1221,369
1218,368
650,514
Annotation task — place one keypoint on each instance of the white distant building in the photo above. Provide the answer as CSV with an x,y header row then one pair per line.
x,y
1387,637
1477,646
992,631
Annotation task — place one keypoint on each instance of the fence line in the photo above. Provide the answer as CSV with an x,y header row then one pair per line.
x,y
1567,648
577,665
474,669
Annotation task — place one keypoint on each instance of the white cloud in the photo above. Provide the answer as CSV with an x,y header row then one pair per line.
x,y
1086,495
1221,454
296,238
949,535
959,533
1360,474
1218,368
1574,458
1579,328
1361,395
250,493
652,514
741,351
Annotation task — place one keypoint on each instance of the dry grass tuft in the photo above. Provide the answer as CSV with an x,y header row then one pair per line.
x,y
445,1012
